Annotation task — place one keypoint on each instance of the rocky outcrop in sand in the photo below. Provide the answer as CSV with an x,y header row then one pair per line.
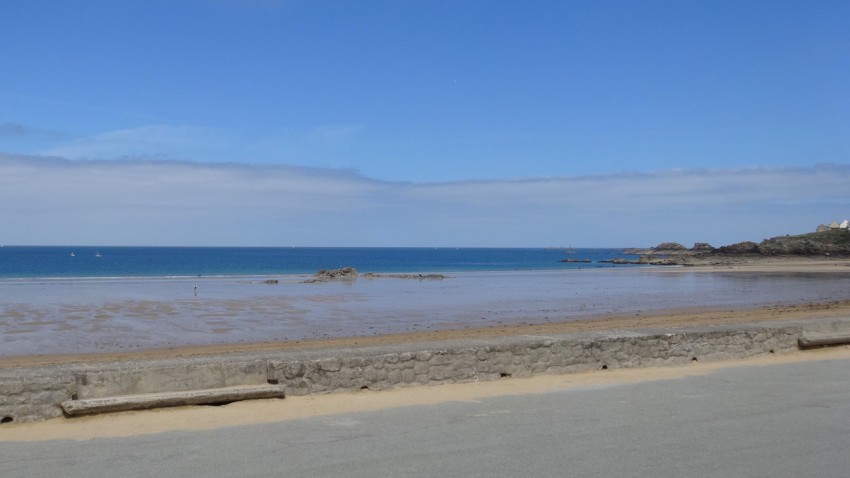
x,y
350,273
333,274
373,275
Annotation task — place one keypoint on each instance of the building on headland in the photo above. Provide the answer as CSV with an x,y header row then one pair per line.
x,y
845,225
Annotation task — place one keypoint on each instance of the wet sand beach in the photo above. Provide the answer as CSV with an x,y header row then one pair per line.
x,y
153,319
787,265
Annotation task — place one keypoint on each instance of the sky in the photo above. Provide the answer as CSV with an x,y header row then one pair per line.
x,y
472,123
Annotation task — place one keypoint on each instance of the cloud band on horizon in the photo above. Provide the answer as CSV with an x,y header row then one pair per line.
x,y
50,200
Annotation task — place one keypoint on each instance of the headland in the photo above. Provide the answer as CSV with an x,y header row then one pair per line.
x,y
824,247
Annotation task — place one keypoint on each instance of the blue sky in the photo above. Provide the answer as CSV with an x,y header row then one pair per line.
x,y
407,123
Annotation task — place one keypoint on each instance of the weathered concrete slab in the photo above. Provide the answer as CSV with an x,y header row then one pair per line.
x,y
813,339
175,378
170,399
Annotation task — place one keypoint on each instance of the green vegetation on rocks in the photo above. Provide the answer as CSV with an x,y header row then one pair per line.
x,y
830,243
834,242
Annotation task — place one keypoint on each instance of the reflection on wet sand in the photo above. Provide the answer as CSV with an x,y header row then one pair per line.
x,y
100,316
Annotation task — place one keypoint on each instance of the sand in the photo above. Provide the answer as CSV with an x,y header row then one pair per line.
x,y
774,264
660,318
667,319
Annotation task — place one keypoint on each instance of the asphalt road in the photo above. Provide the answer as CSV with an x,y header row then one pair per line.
x,y
789,420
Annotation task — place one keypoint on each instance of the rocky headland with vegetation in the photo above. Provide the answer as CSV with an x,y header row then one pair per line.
x,y
830,244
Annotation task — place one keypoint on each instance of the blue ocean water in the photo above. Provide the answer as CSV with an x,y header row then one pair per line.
x,y
68,261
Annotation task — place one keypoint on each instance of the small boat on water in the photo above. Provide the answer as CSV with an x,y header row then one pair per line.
x,y
72,254
97,254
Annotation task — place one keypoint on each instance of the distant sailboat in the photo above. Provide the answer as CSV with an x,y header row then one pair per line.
x,y
72,254
97,254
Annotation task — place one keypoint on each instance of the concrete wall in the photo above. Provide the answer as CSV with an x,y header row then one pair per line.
x,y
521,357
28,394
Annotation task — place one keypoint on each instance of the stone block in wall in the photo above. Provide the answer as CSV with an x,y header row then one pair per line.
x,y
394,377
11,387
330,365
176,378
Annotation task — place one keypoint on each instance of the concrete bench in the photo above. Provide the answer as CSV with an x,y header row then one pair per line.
x,y
170,386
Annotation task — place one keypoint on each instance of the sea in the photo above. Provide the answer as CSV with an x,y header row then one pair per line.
x,y
18,262
88,300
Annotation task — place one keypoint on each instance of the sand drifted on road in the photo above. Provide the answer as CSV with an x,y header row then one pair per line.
x,y
293,408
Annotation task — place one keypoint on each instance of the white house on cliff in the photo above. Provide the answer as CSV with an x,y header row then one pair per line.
x,y
845,225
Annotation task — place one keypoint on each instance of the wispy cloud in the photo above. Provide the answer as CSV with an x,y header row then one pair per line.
x,y
195,143
164,141
53,200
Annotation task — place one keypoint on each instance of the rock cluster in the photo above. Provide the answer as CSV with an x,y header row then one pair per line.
x,y
351,273
702,246
373,275
670,246
333,274
746,247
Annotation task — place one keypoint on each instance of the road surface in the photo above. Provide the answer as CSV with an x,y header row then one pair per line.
x,y
786,420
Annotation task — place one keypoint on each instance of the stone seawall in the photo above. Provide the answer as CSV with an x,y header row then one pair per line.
x,y
37,393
